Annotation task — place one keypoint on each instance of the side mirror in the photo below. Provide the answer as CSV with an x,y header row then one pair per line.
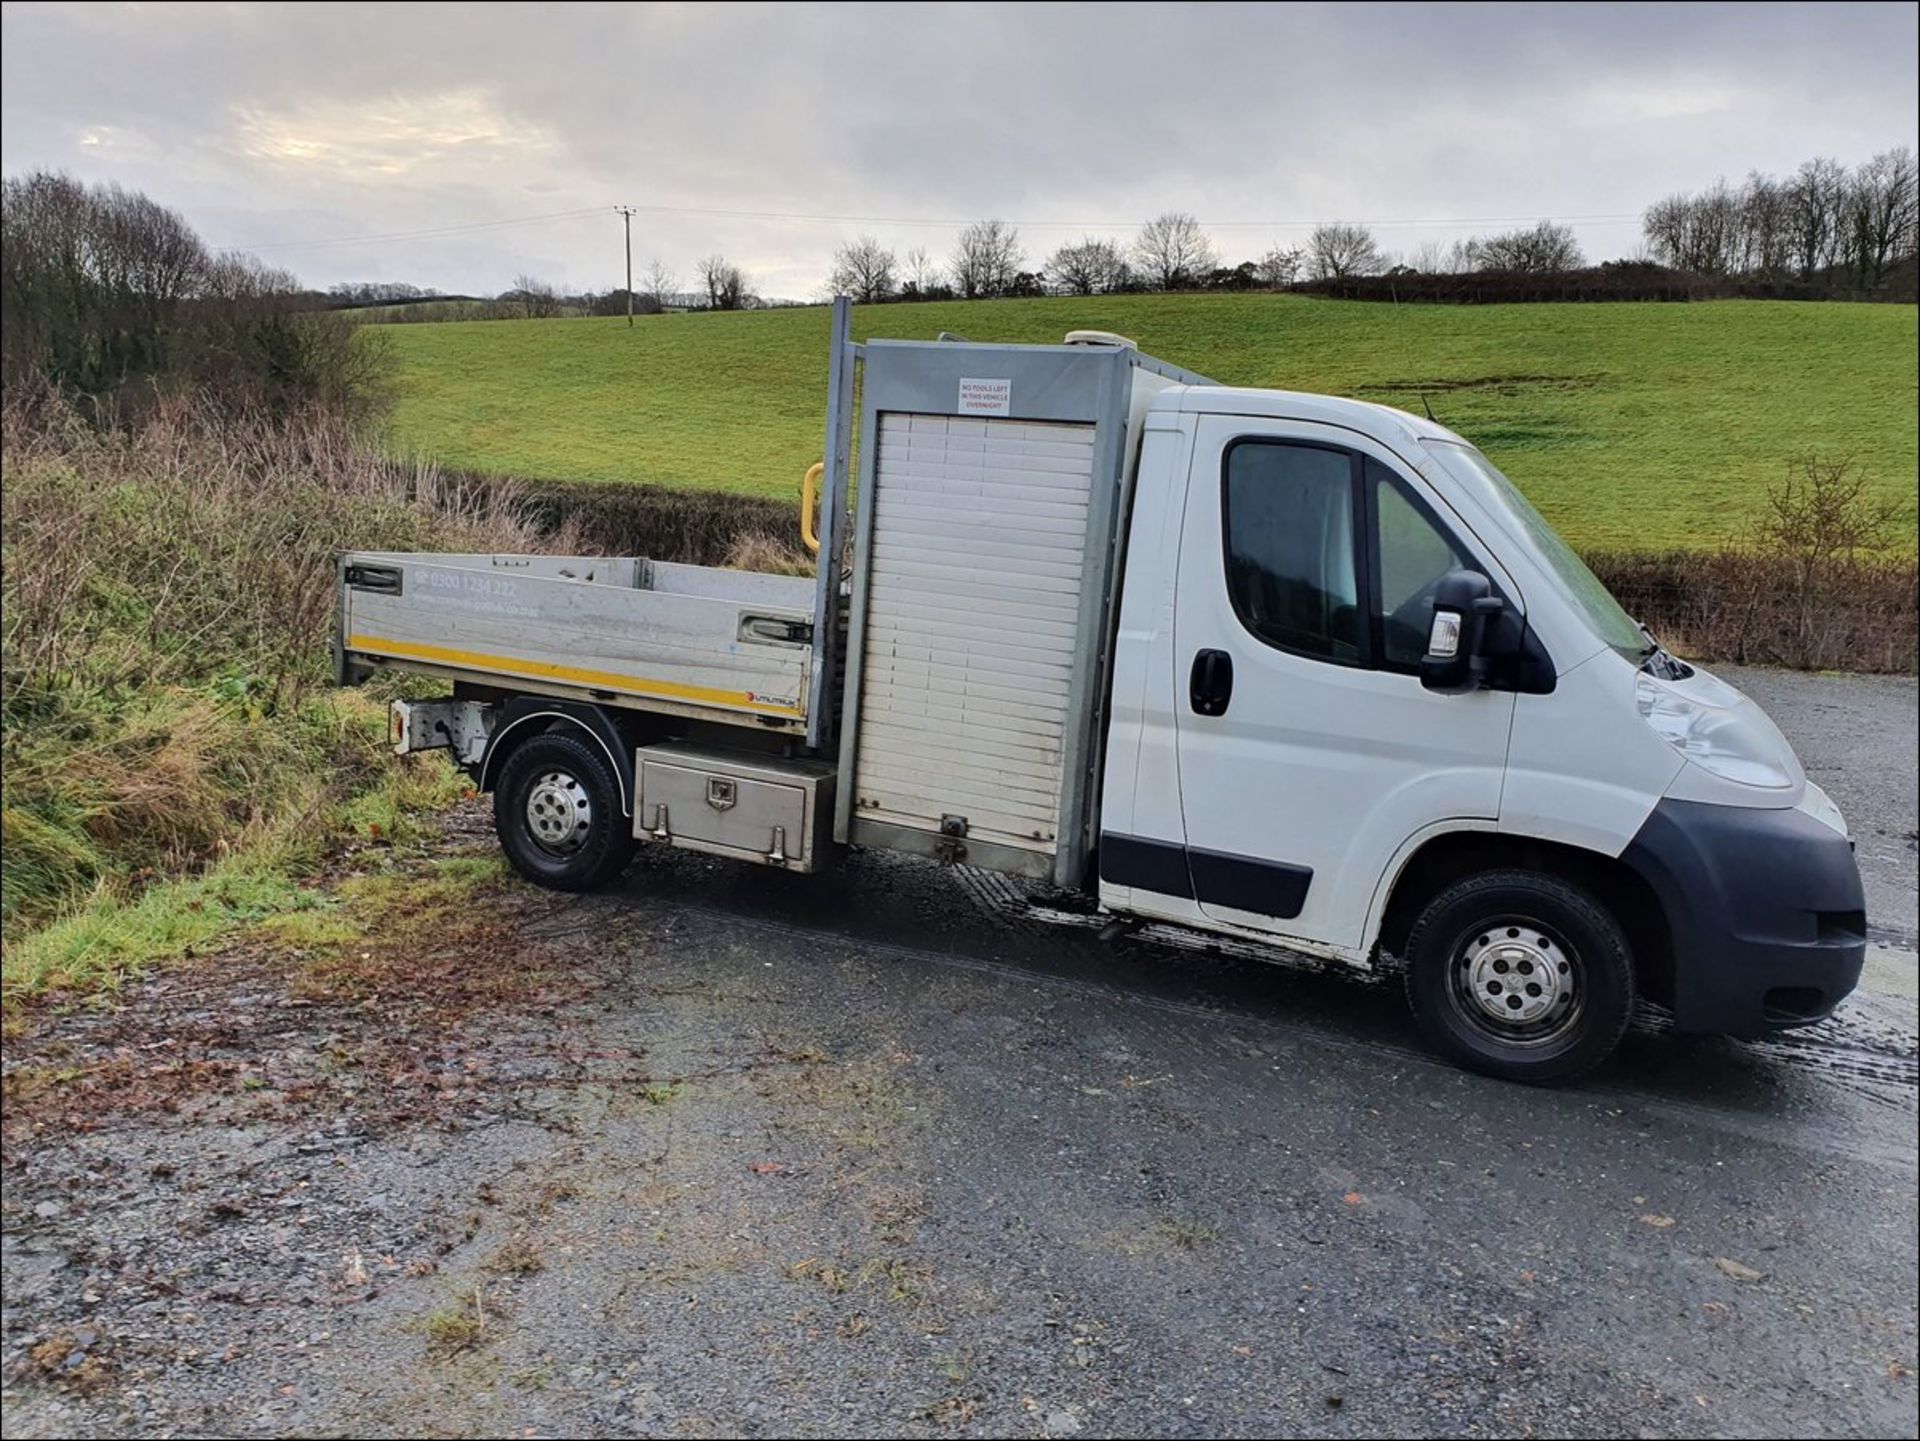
x,y
1464,606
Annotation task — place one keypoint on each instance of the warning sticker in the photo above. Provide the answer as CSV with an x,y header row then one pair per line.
x,y
986,397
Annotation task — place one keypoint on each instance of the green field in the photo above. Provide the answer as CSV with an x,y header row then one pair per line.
x,y
1633,426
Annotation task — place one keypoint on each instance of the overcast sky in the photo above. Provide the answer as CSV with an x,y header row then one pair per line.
x,y
276,126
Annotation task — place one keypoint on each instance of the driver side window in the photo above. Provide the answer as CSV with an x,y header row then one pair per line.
x,y
1413,555
1292,571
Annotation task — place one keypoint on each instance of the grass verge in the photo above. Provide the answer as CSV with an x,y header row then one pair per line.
x,y
175,766
96,899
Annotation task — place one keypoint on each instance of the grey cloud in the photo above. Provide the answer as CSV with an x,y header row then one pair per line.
x,y
269,123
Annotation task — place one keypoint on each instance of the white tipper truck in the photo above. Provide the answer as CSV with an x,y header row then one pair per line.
x,y
1303,671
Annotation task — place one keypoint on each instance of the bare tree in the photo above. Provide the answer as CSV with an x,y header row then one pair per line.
x,y
1090,267
724,282
1431,257
1816,222
1278,268
1173,252
1543,249
659,281
1818,520
986,259
864,269
535,298
1341,249
1882,212
1764,244
921,271
1663,227
1814,198
1701,233
1716,229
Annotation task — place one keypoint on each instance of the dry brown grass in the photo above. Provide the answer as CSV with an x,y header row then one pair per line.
x,y
165,604
519,1255
694,526
1747,607
756,550
197,545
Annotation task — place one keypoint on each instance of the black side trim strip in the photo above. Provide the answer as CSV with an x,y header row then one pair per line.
x,y
1267,888
1151,865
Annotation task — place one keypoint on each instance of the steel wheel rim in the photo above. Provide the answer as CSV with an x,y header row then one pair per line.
x,y
559,813
1516,980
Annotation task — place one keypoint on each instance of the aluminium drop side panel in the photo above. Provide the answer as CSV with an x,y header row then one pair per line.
x,y
729,655
745,587
982,551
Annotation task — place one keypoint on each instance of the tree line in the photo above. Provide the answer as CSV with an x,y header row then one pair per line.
x,y
1824,230
718,284
106,293
1824,221
1852,228
1171,251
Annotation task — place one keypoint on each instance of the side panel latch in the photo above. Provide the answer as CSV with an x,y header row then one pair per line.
x,y
951,847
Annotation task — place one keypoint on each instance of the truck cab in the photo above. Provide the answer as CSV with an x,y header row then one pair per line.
x,y
1367,703
1290,668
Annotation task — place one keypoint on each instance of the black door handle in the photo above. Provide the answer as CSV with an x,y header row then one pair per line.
x,y
1210,686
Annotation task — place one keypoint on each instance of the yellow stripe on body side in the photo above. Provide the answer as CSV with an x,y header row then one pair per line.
x,y
545,670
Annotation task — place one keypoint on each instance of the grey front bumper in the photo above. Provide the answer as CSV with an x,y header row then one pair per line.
x,y
1765,910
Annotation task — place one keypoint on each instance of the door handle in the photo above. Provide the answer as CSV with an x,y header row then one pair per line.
x,y
1210,686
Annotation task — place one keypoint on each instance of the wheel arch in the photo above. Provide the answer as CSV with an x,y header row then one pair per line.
x,y
524,717
1452,855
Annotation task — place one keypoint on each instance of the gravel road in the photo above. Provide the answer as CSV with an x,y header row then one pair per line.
x,y
906,1151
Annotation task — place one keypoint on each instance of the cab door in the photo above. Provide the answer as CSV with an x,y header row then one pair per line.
x,y
1308,751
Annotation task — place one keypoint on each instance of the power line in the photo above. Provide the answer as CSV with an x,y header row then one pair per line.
x,y
444,231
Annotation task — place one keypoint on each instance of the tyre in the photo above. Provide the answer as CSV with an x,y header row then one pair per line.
x,y
556,810
1521,975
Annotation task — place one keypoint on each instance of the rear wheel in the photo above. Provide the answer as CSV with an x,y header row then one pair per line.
x,y
1520,975
557,812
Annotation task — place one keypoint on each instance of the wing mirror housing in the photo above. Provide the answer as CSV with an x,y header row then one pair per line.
x,y
1464,609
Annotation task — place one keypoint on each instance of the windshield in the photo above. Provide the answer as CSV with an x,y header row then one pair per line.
x,y
1502,498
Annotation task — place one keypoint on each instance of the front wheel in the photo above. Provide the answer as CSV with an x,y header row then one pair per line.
x,y
1520,975
557,812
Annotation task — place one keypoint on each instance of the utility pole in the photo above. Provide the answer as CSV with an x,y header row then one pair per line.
x,y
626,217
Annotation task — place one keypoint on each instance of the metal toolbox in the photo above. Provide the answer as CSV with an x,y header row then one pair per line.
x,y
731,803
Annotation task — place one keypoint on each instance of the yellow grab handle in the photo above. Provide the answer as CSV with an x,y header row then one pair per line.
x,y
810,497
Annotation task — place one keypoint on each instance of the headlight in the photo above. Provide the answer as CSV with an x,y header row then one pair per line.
x,y
1715,738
